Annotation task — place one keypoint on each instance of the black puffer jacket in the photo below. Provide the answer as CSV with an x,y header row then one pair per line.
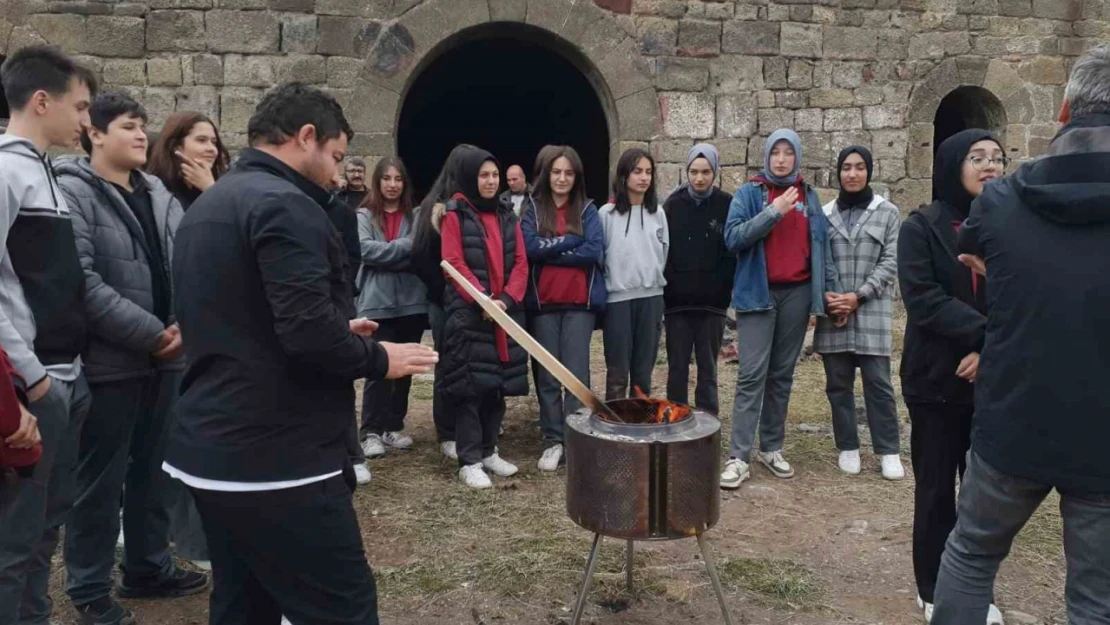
x,y
470,361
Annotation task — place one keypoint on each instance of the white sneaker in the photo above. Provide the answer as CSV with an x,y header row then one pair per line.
x,y
892,468
498,466
776,464
994,616
927,607
449,450
736,471
849,462
373,447
397,440
285,621
551,457
204,565
362,474
473,476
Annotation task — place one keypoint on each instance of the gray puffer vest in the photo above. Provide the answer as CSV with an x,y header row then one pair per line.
x,y
119,297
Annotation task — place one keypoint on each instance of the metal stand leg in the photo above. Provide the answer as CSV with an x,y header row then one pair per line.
x,y
628,564
582,594
714,578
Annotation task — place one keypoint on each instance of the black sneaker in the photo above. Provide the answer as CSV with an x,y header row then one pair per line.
x,y
104,611
180,583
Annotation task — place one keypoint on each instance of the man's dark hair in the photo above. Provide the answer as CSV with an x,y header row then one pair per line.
x,y
288,108
41,68
107,108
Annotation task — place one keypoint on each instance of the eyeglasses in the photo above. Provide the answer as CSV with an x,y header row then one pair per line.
x,y
982,163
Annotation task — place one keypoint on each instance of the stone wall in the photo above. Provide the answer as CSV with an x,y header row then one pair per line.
x,y
670,72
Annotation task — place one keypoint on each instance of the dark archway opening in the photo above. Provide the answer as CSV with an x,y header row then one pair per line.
x,y
508,91
967,107
5,113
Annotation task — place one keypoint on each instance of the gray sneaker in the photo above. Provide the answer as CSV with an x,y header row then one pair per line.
x,y
104,611
776,464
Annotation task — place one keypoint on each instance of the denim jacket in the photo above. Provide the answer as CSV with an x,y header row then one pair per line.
x,y
750,220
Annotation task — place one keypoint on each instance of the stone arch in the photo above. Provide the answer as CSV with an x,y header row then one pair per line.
x,y
591,38
967,107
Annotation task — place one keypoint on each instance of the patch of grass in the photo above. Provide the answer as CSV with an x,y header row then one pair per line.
x,y
421,390
781,582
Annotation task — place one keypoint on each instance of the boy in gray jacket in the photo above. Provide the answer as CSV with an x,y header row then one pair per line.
x,y
42,321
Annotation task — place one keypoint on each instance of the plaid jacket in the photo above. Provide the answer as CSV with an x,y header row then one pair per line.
x,y
866,259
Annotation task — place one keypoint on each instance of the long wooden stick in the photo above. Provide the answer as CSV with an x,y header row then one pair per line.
x,y
531,345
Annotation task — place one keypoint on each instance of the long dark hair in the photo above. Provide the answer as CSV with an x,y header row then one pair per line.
x,y
424,232
625,165
166,166
375,201
541,190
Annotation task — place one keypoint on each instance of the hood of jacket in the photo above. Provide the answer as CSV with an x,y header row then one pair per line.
x,y
160,197
29,173
1070,185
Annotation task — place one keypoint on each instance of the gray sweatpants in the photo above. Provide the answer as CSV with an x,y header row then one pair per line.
x,y
878,394
567,336
992,510
769,344
632,330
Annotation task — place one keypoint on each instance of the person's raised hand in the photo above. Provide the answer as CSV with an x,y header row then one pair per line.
x,y
27,436
363,326
785,202
969,367
407,359
976,263
196,175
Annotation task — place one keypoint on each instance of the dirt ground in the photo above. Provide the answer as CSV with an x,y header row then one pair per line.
x,y
819,549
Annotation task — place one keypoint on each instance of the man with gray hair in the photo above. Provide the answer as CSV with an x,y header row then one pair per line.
x,y
1042,236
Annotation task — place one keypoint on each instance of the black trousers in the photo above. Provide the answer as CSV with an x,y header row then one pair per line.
x,y
700,332
939,441
296,551
444,419
477,426
385,403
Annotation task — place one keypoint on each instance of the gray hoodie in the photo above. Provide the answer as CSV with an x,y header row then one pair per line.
x,y
42,321
636,246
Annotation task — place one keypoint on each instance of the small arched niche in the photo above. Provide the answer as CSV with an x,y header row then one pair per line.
x,y
968,107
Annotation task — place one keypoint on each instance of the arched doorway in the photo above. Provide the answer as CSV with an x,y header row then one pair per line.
x,y
967,107
511,89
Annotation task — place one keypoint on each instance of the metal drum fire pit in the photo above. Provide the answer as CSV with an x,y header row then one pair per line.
x,y
649,471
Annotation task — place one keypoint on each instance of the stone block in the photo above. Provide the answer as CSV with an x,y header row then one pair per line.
x,y
208,69
124,72
248,71
843,119
890,169
344,36
113,35
175,31
180,4
164,72
884,116
131,9
292,6
919,156
1016,8
23,36
687,114
869,95
735,74
893,43
755,151
1056,9
979,7
938,45
897,93
665,8
298,34
680,74
372,9
671,150
391,55
765,99
831,98
667,178
159,102
791,99
78,7
756,38
771,120
733,177
309,69
699,38
799,74
909,193
848,75
343,71
236,108
203,99
372,108
625,70
508,10
775,73
639,116
248,32
890,143
737,116
1044,70
809,120
657,36
1001,79
801,40
849,43
733,151
65,31
720,10
817,150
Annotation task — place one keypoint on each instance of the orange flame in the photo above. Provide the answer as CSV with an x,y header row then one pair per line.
x,y
661,411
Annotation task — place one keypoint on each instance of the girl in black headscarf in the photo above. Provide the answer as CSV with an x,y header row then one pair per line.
x,y
481,364
946,310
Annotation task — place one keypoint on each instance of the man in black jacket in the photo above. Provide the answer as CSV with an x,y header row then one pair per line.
x,y
265,314
1042,235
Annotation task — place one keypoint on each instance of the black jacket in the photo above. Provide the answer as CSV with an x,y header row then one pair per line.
x,y
345,220
699,269
1042,404
427,253
264,306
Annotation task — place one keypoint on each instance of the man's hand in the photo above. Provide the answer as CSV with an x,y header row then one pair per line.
x,y
363,326
977,264
27,436
785,202
969,367
39,390
169,345
407,359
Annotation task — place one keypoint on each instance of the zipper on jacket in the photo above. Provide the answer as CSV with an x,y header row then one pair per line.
x,y
51,180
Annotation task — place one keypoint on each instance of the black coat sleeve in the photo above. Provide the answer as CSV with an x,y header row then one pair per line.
x,y
290,237
927,304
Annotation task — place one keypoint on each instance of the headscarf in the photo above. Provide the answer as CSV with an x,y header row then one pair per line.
x,y
791,137
948,186
466,177
863,197
709,153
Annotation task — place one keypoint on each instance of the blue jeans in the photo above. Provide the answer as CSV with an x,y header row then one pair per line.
x,y
33,509
992,510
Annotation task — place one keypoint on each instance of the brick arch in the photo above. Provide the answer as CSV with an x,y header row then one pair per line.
x,y
586,35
